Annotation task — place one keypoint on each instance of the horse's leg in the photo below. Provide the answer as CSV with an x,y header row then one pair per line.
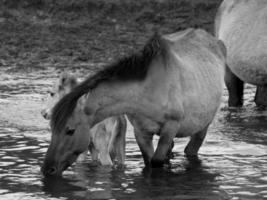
x,y
120,140
104,157
119,150
235,88
261,96
167,135
169,154
102,142
195,142
93,152
144,141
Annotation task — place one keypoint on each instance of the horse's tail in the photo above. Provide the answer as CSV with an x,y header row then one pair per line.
x,y
65,106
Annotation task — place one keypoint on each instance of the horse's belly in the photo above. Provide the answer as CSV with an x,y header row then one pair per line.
x,y
187,129
198,115
250,71
193,125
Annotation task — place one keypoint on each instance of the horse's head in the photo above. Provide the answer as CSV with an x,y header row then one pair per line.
x,y
65,84
67,144
73,139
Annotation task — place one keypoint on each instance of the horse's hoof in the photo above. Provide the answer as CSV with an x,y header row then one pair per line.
x,y
235,104
193,158
156,163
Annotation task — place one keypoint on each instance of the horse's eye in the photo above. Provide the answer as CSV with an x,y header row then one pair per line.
x,y
70,132
52,94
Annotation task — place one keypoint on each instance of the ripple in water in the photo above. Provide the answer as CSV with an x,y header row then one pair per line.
x,y
233,159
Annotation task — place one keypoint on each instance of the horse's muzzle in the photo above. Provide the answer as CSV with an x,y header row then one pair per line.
x,y
50,171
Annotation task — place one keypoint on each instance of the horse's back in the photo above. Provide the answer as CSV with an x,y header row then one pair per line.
x,y
242,25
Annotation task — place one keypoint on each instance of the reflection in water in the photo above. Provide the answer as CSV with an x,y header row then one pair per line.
x,y
250,125
187,181
232,165
58,186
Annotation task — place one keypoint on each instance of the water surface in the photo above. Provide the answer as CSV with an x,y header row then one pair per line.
x,y
233,158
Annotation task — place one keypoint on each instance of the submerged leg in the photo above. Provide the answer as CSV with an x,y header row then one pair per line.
x,y
167,135
169,154
261,96
119,144
195,143
235,88
144,141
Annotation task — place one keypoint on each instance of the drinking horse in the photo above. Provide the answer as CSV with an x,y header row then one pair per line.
x,y
171,88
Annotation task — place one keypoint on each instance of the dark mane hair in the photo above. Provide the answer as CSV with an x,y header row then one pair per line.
x,y
133,67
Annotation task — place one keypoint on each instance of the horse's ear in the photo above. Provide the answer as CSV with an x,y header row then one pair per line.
x,y
73,82
63,77
68,79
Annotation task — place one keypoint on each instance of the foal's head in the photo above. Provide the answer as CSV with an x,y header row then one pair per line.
x,y
64,85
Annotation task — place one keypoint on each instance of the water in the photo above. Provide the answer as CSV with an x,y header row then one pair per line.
x,y
233,158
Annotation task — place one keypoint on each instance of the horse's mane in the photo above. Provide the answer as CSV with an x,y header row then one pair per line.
x,y
133,67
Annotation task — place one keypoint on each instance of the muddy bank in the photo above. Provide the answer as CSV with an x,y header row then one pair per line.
x,y
45,33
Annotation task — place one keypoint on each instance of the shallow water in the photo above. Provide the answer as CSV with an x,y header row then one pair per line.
x,y
233,158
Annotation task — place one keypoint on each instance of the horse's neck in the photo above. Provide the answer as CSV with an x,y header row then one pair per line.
x,y
130,97
122,98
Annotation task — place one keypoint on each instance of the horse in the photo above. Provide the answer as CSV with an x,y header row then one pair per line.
x,y
242,26
62,87
172,87
106,139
